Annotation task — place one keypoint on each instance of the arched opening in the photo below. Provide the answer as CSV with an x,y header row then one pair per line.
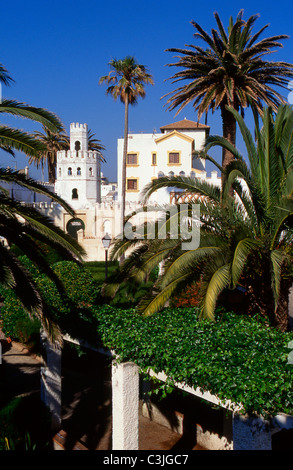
x,y
73,226
70,171
78,172
107,227
74,193
77,145
91,171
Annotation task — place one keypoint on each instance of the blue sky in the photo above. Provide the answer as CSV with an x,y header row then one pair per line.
x,y
56,51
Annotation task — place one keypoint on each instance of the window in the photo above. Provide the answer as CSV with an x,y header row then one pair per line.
x,y
132,184
174,158
132,159
78,172
69,171
154,158
91,172
74,193
77,145
60,172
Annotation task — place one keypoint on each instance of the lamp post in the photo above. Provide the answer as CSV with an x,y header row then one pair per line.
x,y
106,240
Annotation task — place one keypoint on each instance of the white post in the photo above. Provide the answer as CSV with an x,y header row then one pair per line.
x,y
125,406
51,381
251,433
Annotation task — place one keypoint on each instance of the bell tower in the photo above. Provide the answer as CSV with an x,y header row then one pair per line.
x,y
78,177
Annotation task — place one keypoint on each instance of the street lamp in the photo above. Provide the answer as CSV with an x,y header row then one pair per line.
x,y
106,240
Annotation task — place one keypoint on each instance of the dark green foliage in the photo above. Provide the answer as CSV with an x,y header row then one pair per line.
x,y
12,313
70,309
25,425
235,357
97,270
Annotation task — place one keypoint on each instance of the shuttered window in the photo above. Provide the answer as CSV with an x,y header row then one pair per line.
x,y
174,157
132,159
132,184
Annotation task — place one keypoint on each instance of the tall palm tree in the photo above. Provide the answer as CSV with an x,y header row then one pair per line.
x,y
13,139
246,237
127,80
24,227
55,141
95,144
229,72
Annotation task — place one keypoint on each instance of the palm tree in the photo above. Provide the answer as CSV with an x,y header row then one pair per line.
x,y
13,139
246,237
95,144
229,72
53,142
127,79
23,226
31,232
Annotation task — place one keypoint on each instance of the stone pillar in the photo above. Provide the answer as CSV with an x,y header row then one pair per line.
x,y
251,433
51,381
125,406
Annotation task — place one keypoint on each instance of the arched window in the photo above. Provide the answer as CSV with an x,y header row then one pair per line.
x,y
74,193
91,172
70,171
171,174
78,172
107,227
182,173
77,145
160,174
59,171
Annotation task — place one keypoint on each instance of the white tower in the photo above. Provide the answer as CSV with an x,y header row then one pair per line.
x,y
78,170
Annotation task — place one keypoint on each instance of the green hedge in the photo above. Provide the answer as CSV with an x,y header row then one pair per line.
x,y
236,358
20,429
71,309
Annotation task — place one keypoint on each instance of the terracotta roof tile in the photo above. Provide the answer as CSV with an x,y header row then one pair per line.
x,y
184,124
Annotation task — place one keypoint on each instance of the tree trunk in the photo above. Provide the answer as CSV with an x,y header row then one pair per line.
x,y
261,300
123,183
51,170
282,311
229,133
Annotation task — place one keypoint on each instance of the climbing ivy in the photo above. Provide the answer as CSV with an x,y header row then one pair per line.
x,y
235,357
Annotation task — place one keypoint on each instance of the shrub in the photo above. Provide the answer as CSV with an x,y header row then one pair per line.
x,y
236,357
188,297
25,425
71,309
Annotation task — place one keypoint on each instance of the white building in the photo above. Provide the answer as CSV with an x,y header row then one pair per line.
x,y
97,211
169,153
78,171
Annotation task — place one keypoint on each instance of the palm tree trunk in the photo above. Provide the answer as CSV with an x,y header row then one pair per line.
x,y
229,133
123,183
51,171
282,311
261,300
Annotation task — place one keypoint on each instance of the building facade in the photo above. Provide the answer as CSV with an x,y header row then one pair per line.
x,y
78,172
169,153
96,202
